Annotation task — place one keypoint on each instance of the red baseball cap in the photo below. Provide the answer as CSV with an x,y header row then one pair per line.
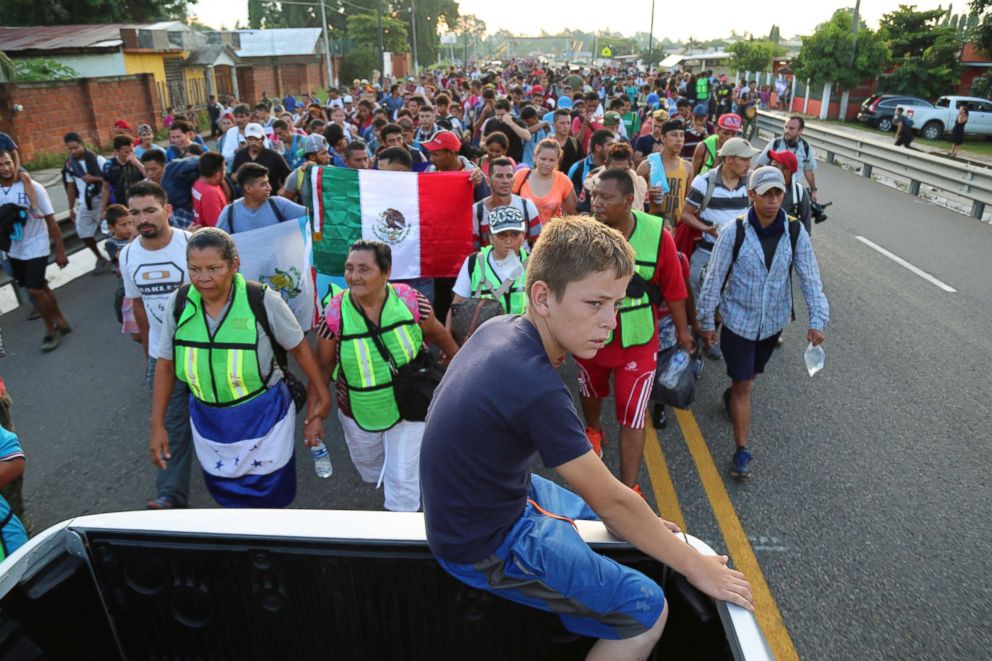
x,y
786,158
121,124
537,89
730,121
443,140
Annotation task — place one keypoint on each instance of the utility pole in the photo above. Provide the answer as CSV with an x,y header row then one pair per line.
x,y
327,44
651,41
413,23
382,50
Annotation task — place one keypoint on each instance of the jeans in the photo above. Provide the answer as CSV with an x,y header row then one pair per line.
x,y
697,264
173,482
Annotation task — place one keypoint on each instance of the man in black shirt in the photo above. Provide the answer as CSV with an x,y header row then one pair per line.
x,y
255,152
516,131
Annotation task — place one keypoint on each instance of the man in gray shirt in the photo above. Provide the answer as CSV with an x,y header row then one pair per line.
x,y
257,208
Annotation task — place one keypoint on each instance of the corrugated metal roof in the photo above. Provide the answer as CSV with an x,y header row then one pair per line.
x,y
56,37
278,41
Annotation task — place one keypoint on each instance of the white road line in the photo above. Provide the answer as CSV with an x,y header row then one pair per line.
x,y
902,262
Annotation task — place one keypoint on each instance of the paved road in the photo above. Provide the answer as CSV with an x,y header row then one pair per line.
x,y
870,505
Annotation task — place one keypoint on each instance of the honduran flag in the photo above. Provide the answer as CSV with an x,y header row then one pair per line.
x,y
425,218
246,451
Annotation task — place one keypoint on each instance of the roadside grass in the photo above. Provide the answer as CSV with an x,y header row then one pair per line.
x,y
976,145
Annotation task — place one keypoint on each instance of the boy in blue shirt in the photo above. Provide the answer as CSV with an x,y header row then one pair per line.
x,y
12,532
495,526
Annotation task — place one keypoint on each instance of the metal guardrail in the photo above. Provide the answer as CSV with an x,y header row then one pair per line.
x,y
967,180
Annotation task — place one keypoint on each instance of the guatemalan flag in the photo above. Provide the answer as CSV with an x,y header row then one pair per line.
x,y
246,451
279,256
426,219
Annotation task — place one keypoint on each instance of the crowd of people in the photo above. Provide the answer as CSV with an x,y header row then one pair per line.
x,y
690,239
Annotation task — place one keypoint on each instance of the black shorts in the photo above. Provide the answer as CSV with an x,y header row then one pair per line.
x,y
745,358
30,273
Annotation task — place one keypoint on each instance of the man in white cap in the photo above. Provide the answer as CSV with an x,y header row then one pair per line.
x,y
716,199
255,151
315,152
750,279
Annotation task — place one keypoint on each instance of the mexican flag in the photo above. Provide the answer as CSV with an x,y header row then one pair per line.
x,y
425,218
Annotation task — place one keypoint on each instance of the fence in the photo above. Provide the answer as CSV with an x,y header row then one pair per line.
x,y
177,94
965,180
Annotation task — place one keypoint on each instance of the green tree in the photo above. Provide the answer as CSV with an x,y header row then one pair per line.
x,y
429,14
364,29
66,12
924,51
775,35
754,55
470,28
41,69
7,70
834,53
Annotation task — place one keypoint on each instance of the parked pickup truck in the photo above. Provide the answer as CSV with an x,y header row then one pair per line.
x,y
931,123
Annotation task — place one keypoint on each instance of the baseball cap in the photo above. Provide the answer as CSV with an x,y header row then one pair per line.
x,y
505,219
611,118
660,116
738,147
146,128
314,143
701,110
564,101
672,125
765,178
786,158
122,124
347,98
537,89
653,99
730,121
254,130
443,140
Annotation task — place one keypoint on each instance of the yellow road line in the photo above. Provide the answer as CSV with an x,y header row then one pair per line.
x,y
765,609
661,479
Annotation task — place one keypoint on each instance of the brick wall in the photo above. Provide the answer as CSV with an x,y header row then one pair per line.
x,y
88,106
277,79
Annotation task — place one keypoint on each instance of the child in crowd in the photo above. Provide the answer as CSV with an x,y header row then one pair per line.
x,y
121,229
168,118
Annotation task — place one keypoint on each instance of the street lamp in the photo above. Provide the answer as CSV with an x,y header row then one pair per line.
x,y
382,50
323,24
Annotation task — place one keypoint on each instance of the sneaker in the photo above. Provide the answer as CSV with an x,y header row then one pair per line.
x,y
780,341
658,416
165,503
697,367
595,437
65,329
726,405
741,465
51,342
637,489
714,352
102,265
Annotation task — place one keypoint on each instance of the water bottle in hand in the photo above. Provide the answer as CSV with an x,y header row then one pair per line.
x,y
814,359
678,363
321,460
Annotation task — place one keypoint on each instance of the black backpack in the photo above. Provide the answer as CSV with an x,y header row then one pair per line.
x,y
792,224
256,301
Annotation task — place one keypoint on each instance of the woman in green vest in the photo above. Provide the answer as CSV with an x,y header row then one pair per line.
x,y
504,260
367,331
227,337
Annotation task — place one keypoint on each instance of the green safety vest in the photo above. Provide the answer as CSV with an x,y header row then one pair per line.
x,y
702,89
332,291
366,373
710,161
722,92
221,369
515,300
637,320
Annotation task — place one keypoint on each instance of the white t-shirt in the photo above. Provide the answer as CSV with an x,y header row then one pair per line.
x,y
152,275
502,268
80,184
34,241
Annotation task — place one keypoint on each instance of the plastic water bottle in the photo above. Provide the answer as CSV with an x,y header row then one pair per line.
x,y
678,363
814,359
321,460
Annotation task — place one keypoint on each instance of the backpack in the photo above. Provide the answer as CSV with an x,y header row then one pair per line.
x,y
177,181
228,212
792,224
468,315
779,144
256,301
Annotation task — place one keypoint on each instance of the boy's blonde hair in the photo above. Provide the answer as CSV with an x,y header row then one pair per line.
x,y
571,248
